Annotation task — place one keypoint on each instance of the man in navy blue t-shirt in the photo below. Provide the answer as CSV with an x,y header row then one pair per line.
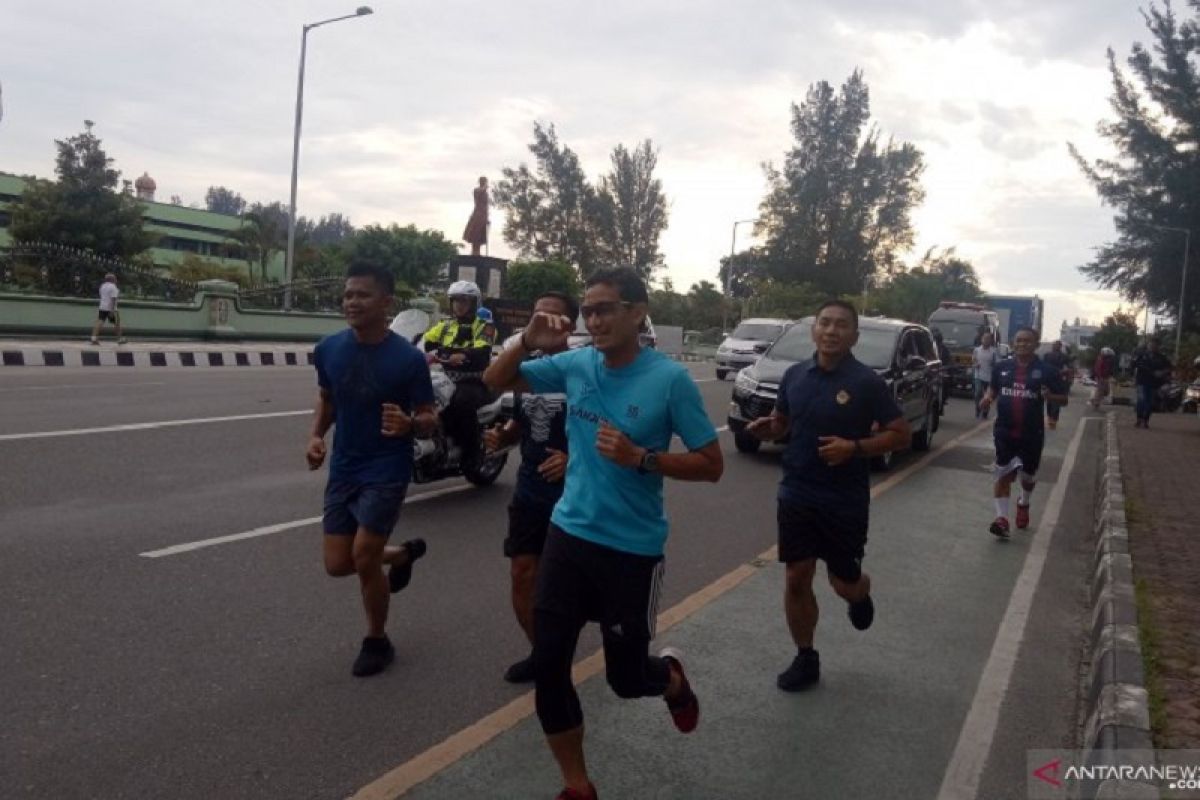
x,y
539,422
1020,388
837,414
375,387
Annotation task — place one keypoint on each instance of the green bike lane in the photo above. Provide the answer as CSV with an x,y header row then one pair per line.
x,y
888,718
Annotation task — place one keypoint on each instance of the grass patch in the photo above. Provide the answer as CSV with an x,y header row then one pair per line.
x,y
1135,512
1148,639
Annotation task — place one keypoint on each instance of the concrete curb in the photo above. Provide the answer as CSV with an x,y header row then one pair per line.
x,y
200,357
1117,701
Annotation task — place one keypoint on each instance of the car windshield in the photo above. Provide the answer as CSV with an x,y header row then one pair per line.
x,y
757,332
875,346
958,333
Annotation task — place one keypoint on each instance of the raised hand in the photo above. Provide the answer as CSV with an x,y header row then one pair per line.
x,y
546,332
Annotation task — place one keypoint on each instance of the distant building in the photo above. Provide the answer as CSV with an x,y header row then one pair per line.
x,y
1079,335
180,230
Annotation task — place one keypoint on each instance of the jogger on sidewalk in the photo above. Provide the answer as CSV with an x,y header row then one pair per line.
x,y
832,407
1021,387
603,558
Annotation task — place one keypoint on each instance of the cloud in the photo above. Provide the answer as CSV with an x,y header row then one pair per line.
x,y
405,108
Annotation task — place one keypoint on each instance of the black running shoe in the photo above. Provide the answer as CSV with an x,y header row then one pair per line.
x,y
521,672
400,575
804,672
376,653
862,613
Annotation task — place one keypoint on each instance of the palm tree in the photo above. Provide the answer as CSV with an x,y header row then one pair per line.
x,y
262,235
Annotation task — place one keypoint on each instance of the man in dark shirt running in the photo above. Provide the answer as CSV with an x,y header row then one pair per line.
x,y
837,414
1059,360
1151,369
1020,388
539,422
376,387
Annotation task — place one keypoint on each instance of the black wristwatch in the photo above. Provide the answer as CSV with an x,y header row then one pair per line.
x,y
649,463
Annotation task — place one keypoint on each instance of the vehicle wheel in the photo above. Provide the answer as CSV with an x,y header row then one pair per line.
x,y
883,463
721,373
488,470
745,443
924,440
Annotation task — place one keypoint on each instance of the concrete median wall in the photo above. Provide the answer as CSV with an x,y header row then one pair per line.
x,y
214,314
1117,703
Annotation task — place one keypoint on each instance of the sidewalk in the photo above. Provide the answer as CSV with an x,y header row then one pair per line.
x,y
143,353
1161,468
887,715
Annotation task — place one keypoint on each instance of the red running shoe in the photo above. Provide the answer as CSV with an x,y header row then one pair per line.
x,y
685,709
1022,516
571,794
999,528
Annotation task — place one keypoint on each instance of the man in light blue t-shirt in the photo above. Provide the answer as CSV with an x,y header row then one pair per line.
x,y
603,557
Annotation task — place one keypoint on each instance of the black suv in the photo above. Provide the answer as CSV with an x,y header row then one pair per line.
x,y
902,353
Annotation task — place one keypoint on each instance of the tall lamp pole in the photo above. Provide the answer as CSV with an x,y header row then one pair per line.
x,y
289,273
1187,244
729,273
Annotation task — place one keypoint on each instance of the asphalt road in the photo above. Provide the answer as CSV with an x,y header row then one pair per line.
x,y
225,671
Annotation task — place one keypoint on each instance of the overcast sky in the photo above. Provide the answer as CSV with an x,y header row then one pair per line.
x,y
404,109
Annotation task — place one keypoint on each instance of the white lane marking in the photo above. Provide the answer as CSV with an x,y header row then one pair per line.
x,y
267,530
142,426
722,429
963,773
95,386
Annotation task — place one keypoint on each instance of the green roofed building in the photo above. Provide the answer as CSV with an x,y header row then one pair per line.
x,y
180,230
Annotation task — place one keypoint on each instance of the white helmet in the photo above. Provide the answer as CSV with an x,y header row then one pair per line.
x,y
1107,351
464,289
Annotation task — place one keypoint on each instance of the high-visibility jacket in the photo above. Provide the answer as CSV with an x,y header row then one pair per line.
x,y
452,333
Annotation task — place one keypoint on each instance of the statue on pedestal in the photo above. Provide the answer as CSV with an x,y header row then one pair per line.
x,y
477,226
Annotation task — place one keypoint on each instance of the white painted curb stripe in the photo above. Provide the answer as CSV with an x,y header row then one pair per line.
x,y
143,426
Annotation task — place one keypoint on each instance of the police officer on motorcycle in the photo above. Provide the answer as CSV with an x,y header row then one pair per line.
x,y
461,346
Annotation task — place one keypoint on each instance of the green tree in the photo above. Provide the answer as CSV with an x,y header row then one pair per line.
x,y
913,295
839,211
413,256
220,200
772,298
1155,179
1118,331
667,306
631,210
527,280
549,211
705,306
82,208
263,235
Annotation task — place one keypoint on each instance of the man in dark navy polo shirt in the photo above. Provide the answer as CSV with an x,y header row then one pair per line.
x,y
1021,386
837,414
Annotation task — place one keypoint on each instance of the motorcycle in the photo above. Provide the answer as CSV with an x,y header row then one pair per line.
x,y
1169,397
1191,399
438,456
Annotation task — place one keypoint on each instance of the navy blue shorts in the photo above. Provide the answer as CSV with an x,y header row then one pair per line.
x,y
808,531
1029,450
374,506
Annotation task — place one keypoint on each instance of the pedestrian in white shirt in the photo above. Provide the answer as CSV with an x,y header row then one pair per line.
x,y
983,359
109,295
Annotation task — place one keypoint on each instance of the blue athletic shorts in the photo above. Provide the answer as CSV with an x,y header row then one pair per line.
x,y
374,506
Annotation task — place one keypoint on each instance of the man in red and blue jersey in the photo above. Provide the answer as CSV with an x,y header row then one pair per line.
x,y
1020,388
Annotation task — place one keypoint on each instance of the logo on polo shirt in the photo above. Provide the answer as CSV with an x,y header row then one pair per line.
x,y
843,397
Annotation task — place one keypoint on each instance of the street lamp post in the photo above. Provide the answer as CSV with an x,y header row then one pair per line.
x,y
1187,244
288,274
729,273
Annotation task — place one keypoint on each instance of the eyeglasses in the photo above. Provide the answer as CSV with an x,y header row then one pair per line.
x,y
603,309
